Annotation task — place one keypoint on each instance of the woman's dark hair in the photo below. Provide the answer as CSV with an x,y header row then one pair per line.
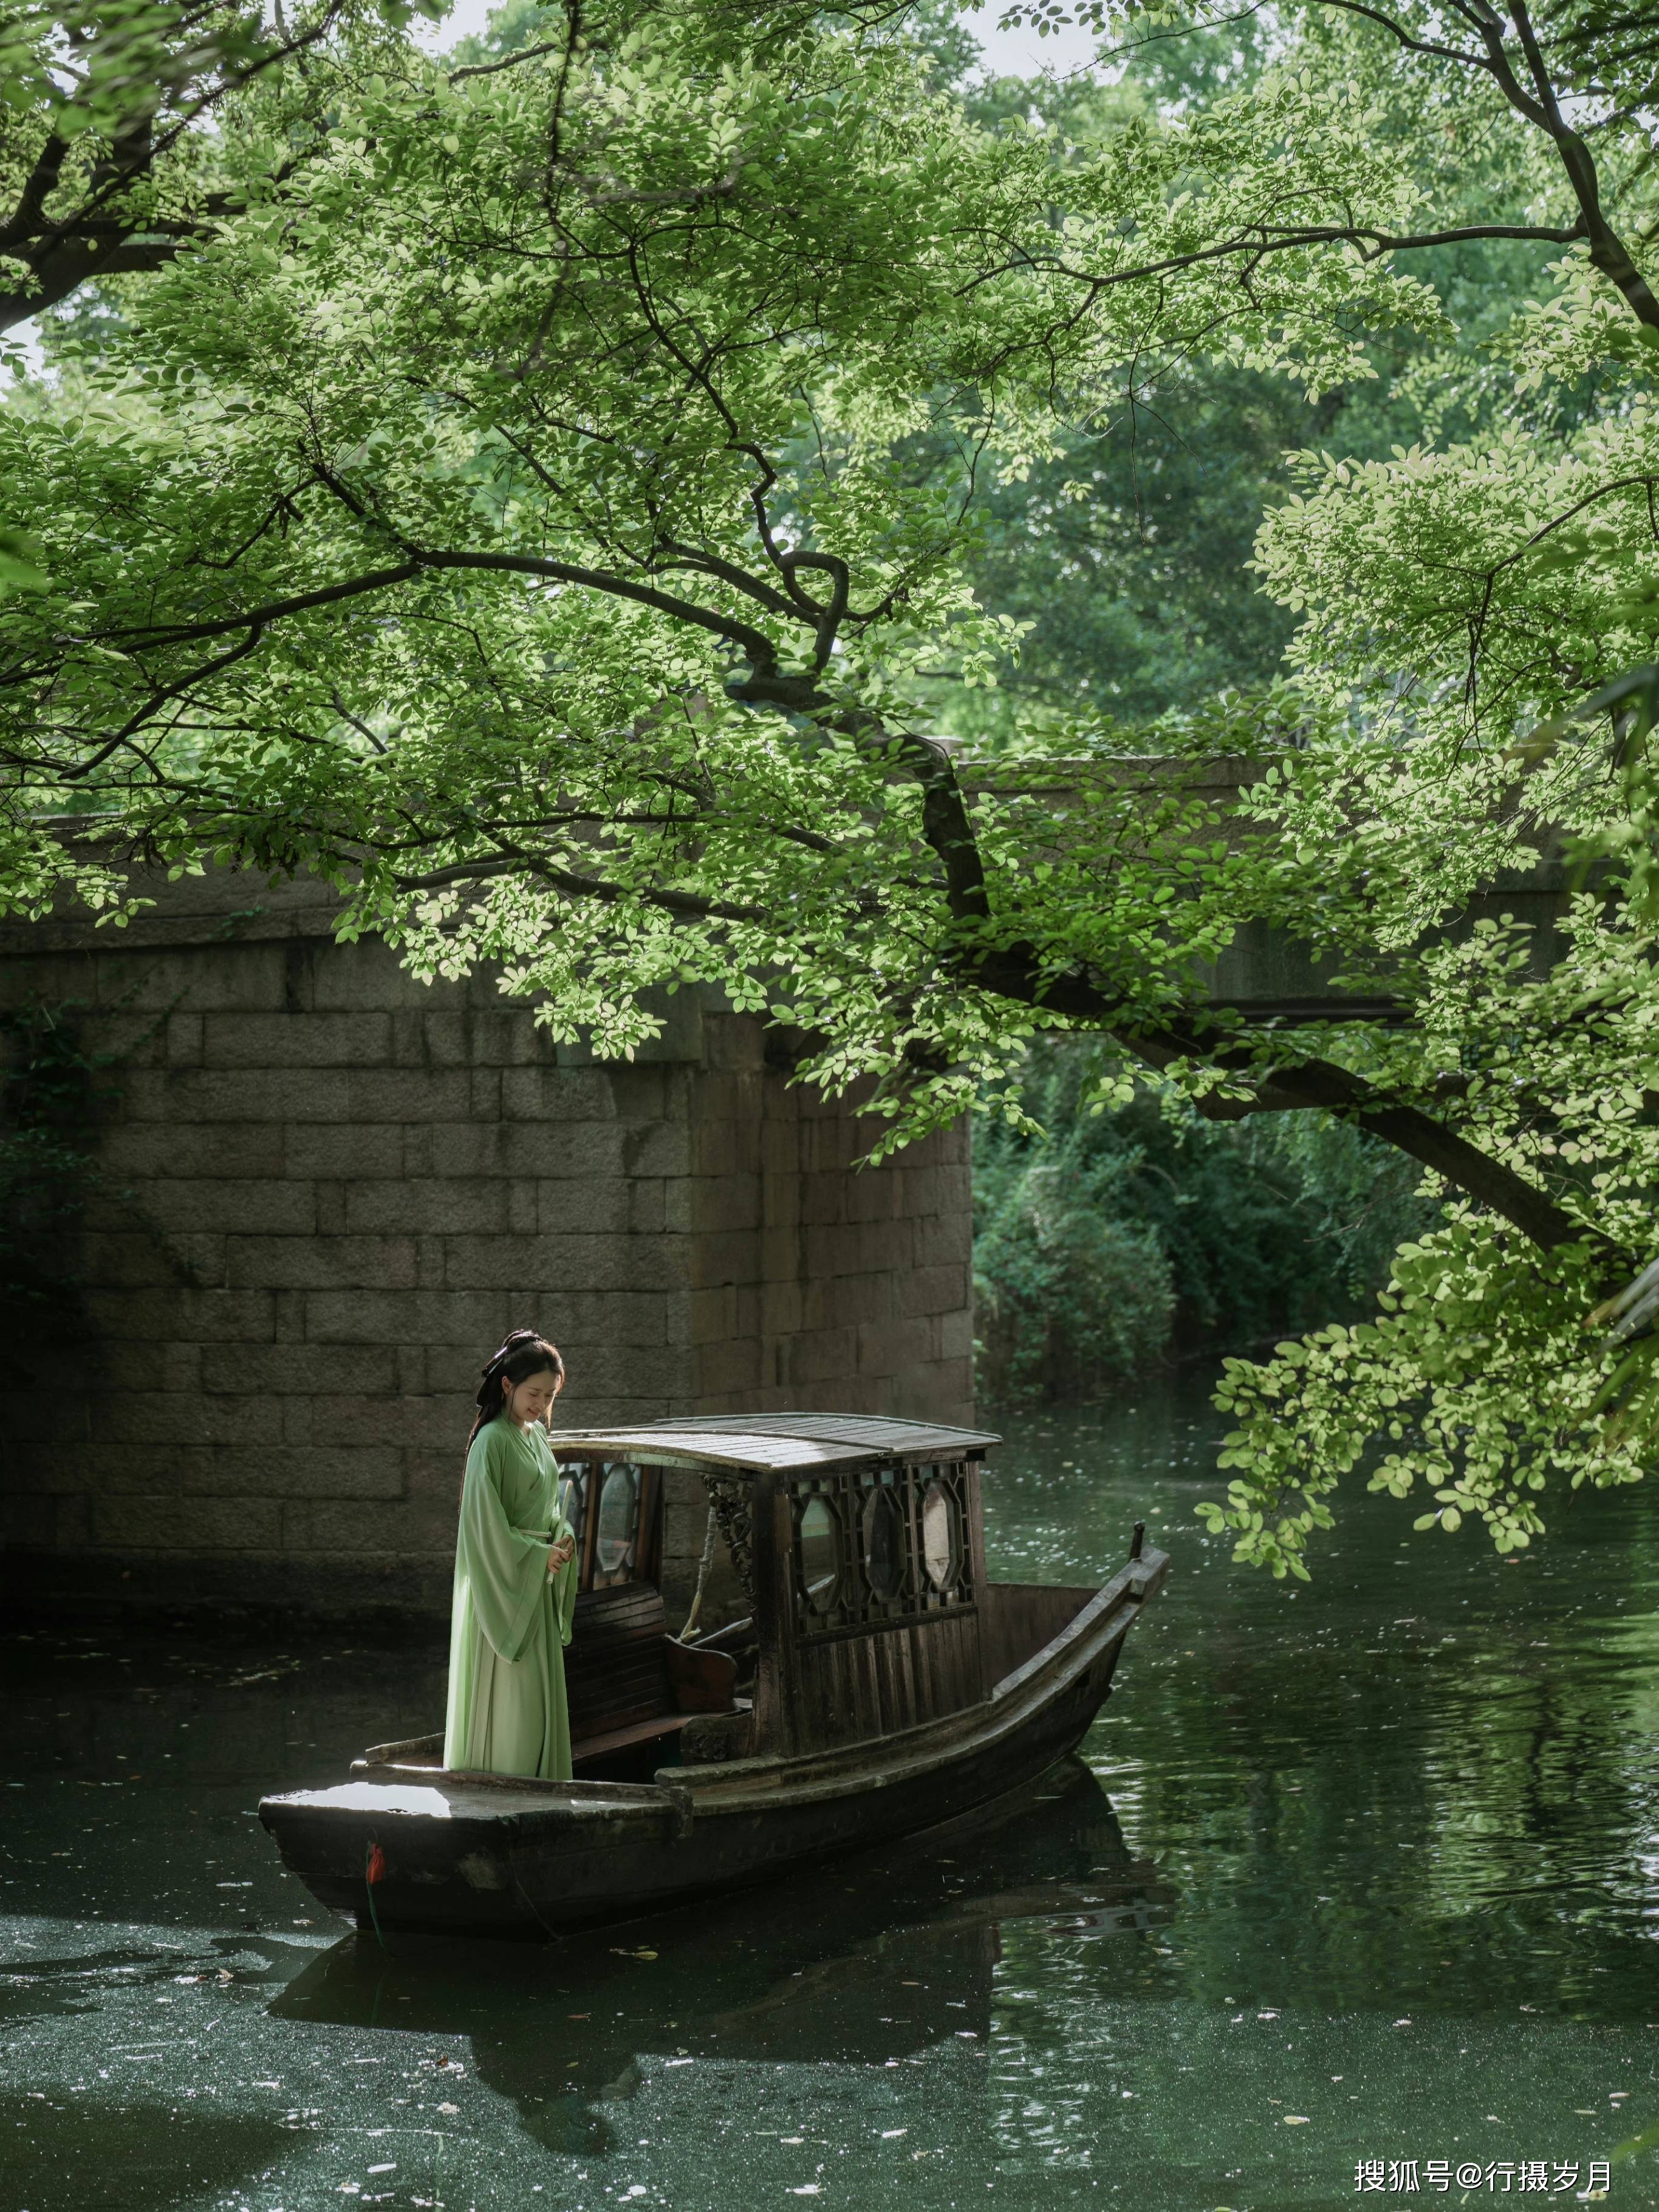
x,y
525,1352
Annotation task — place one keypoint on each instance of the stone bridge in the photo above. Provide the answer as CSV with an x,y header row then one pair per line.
x,y
327,1191
1267,972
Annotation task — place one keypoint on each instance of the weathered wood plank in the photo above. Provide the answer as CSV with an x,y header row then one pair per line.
x,y
806,1731
904,1669
882,1659
978,1579
869,1686
843,1697
701,1681
953,1652
953,1663
921,1662
972,1658
857,1717
843,1694
1020,1618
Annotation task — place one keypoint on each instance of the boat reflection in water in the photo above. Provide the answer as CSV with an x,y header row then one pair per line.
x,y
868,1960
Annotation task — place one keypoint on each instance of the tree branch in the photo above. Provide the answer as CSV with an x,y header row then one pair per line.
x,y
1541,108
512,860
1266,238
1017,972
1321,1084
509,61
754,643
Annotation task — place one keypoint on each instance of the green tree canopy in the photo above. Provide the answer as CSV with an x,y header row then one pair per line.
x,y
548,503
127,127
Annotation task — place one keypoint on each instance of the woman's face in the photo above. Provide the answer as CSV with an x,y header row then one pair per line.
x,y
527,1402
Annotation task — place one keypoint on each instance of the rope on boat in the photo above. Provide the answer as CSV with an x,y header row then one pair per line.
x,y
703,1565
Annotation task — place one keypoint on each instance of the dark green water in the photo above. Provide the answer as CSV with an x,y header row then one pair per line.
x,y
1368,1872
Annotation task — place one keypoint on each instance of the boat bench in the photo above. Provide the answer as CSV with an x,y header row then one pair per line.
x,y
628,1681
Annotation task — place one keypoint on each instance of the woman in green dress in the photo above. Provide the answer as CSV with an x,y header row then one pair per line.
x,y
515,1577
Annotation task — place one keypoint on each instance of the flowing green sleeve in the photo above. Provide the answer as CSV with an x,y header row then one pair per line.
x,y
564,1582
506,1566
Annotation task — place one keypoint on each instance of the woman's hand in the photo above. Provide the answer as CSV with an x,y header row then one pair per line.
x,y
560,1554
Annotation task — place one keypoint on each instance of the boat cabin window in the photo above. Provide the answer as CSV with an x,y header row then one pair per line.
x,y
941,1552
573,1499
611,1505
619,1508
884,1544
880,1545
818,1547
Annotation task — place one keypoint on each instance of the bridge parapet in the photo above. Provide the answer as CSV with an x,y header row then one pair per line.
x,y
1267,972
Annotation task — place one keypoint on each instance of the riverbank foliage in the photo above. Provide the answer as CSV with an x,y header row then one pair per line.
x,y
564,497
1123,1241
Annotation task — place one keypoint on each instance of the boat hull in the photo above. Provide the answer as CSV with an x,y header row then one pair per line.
x,y
503,1857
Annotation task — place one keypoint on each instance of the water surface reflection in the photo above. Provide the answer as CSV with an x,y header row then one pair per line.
x,y
871,1962
1366,1872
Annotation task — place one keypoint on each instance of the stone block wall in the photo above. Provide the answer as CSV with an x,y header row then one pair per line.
x,y
332,1191
811,1280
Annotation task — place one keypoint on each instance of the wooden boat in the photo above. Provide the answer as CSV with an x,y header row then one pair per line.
x,y
883,1955
881,1685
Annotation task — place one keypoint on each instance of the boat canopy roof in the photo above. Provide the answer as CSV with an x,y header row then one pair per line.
x,y
778,1441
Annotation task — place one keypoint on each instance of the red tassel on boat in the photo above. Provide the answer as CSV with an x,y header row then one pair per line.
x,y
374,1870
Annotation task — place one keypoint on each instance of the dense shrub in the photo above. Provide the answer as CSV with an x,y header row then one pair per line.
x,y
1069,1296
1123,1239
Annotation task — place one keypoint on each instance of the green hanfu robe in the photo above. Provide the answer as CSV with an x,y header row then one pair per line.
x,y
510,1621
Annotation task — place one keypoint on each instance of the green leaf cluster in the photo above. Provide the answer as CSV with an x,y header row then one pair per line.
x,y
558,498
